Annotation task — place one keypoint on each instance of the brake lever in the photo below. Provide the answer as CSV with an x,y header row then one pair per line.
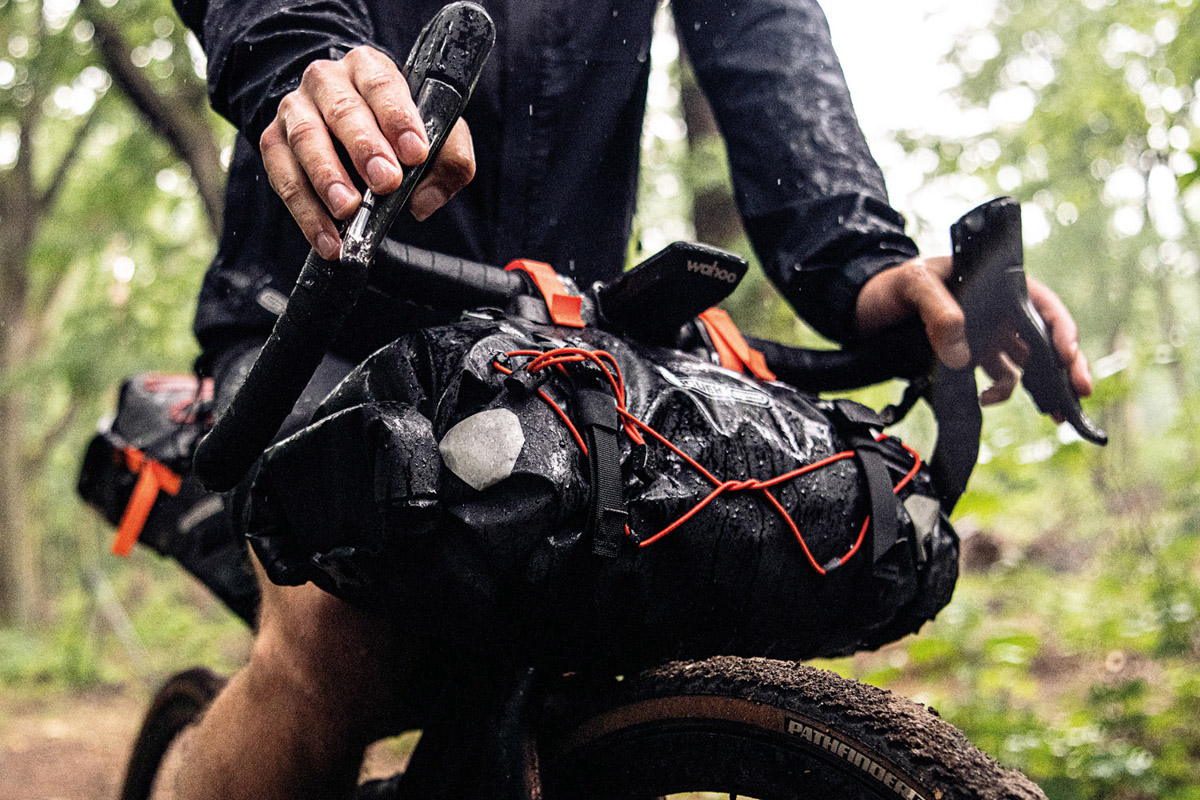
x,y
989,282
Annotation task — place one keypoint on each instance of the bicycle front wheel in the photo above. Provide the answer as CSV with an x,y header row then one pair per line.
x,y
764,729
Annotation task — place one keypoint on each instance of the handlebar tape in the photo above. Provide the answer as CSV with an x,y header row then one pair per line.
x,y
442,281
323,294
903,352
442,69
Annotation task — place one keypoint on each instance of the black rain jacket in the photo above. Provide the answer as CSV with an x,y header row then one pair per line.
x,y
556,122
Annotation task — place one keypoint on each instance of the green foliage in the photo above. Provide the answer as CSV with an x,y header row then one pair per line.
x,y
173,623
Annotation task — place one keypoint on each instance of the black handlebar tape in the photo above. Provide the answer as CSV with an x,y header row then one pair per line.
x,y
442,70
903,352
992,288
324,293
441,281
954,398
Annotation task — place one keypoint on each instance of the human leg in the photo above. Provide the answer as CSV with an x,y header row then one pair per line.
x,y
294,722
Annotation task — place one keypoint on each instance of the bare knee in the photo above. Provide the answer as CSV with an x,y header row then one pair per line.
x,y
328,660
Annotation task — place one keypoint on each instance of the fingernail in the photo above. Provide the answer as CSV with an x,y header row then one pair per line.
x,y
380,172
328,246
411,148
340,198
426,201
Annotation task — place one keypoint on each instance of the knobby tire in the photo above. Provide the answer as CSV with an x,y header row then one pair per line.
x,y
763,729
754,728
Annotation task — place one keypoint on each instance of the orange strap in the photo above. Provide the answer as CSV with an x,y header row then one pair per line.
x,y
732,349
153,476
563,306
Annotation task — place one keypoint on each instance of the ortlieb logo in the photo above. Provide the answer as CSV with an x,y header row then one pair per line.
x,y
720,390
712,271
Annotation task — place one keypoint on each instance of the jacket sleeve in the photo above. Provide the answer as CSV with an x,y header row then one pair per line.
x,y
257,49
811,195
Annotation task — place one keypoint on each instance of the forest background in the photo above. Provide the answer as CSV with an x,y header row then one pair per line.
x,y
1072,647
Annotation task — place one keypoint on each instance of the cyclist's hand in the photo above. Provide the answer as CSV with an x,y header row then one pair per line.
x,y
363,102
918,287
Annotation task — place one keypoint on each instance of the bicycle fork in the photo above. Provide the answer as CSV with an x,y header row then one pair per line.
x,y
480,742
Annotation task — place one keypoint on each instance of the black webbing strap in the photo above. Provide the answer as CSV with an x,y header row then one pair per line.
x,y
857,422
596,413
885,524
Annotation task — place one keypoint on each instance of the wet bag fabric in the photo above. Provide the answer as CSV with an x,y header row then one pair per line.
x,y
445,483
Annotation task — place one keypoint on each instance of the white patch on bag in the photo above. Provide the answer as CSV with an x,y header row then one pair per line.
x,y
482,449
926,513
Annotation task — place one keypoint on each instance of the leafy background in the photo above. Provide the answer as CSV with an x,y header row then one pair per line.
x,y
1071,647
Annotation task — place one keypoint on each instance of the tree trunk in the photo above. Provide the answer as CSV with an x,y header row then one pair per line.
x,y
19,588
180,119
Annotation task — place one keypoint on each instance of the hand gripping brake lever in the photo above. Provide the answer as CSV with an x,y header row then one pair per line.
x,y
442,70
990,285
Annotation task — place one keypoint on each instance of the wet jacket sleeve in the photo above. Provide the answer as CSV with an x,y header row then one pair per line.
x,y
257,49
811,195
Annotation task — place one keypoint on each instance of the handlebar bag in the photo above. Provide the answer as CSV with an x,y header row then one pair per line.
x,y
440,484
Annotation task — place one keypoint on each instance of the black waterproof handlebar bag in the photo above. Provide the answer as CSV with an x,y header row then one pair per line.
x,y
441,484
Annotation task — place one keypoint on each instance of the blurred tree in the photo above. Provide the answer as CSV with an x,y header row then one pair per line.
x,y
1086,111
78,176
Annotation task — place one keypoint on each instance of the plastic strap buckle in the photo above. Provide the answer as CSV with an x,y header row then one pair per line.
x,y
564,307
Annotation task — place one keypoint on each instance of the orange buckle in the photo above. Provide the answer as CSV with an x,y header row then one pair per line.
x,y
153,476
732,349
563,306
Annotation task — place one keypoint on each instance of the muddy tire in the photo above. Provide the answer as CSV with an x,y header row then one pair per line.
x,y
179,703
764,729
